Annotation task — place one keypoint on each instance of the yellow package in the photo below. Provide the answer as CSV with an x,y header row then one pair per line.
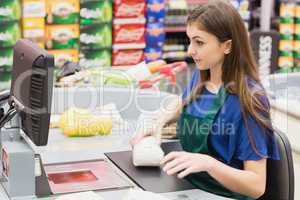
x,y
297,11
33,8
297,29
62,12
286,45
78,122
287,10
284,61
297,45
34,30
286,29
64,55
62,36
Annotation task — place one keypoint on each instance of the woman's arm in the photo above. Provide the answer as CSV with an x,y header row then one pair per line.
x,y
251,181
162,117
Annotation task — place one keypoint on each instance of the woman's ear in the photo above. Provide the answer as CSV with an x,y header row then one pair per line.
x,y
227,46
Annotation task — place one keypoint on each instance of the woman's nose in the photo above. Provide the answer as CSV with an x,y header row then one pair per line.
x,y
191,51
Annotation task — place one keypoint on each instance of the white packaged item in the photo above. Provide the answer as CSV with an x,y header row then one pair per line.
x,y
147,152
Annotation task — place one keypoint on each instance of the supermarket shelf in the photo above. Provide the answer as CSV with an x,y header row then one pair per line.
x,y
194,1
175,29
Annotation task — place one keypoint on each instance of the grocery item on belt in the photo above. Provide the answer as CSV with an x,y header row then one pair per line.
x,y
34,30
64,55
129,8
10,10
95,58
95,36
6,58
62,36
147,152
62,12
78,122
33,8
10,32
155,35
93,12
127,57
156,10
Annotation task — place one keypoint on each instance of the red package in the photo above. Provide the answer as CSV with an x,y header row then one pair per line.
x,y
129,33
127,57
129,8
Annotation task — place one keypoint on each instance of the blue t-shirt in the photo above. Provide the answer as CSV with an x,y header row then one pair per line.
x,y
229,137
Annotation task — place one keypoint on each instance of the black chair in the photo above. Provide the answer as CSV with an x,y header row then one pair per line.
x,y
280,173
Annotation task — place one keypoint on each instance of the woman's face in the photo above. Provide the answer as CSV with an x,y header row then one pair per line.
x,y
205,48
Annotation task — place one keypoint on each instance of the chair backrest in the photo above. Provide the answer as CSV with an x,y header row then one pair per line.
x,y
280,173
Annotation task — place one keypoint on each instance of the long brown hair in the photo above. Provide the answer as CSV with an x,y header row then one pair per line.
x,y
222,20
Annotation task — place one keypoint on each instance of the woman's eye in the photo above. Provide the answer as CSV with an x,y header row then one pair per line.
x,y
200,43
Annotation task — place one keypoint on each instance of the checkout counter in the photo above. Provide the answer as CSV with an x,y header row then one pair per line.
x,y
130,103
42,163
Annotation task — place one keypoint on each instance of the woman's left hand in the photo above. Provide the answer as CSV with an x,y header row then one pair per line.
x,y
185,163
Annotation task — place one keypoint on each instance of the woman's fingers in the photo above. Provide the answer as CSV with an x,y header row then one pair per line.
x,y
179,168
185,172
170,157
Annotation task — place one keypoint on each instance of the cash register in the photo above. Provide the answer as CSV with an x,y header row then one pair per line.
x,y
25,117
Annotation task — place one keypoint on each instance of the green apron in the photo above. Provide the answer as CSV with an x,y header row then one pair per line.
x,y
193,133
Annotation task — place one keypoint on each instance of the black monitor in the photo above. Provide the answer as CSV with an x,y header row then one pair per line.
x,y
31,89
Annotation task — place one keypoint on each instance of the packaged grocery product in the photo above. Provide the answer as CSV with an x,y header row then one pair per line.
x,y
64,55
95,58
127,57
78,122
129,33
34,30
155,35
156,10
93,12
152,54
62,36
296,46
6,58
287,10
33,8
62,12
10,10
286,45
10,32
5,79
286,29
297,58
286,60
129,8
96,36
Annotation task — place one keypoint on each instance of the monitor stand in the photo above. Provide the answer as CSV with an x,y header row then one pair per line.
x,y
22,172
